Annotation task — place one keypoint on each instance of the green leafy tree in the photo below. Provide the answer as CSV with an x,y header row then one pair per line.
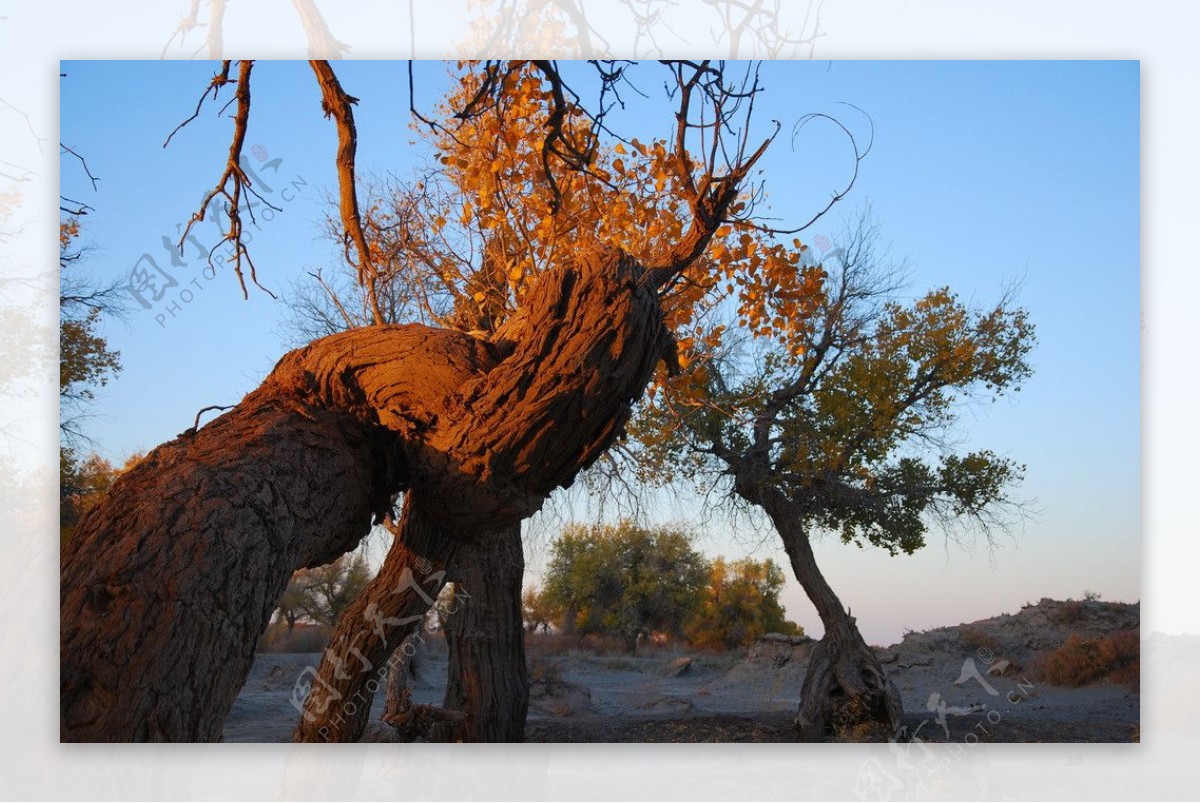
x,y
849,432
625,580
741,604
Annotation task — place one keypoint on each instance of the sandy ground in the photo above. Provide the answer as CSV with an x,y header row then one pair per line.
x,y
961,683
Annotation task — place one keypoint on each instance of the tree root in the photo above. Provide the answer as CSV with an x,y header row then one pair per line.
x,y
847,695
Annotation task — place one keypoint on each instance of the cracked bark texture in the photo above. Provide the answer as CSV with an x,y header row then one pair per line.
x,y
169,580
487,678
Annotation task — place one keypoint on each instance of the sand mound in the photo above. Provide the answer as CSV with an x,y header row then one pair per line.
x,y
774,666
1019,636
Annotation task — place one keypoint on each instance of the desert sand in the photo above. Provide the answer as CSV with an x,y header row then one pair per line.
x,y
968,682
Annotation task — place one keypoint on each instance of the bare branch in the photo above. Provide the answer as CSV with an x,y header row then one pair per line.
x,y
219,80
321,41
334,299
858,158
337,104
94,179
233,180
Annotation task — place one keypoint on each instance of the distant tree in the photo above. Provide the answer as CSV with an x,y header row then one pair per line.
x,y
85,363
85,360
538,611
292,605
741,604
844,425
625,580
323,593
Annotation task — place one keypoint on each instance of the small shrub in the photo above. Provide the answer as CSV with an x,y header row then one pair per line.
x,y
1082,661
1091,596
1076,663
1071,611
977,639
279,638
1122,652
545,672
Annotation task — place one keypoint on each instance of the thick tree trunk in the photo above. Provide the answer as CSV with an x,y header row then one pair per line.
x,y
569,617
169,581
487,675
398,700
846,693
572,363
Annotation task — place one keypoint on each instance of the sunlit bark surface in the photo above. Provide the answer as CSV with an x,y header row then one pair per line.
x,y
169,581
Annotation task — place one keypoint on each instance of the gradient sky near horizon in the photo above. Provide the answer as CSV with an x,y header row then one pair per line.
x,y
982,174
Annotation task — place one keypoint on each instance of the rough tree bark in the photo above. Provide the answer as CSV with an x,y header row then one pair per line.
x,y
399,681
581,351
846,691
336,698
168,581
487,679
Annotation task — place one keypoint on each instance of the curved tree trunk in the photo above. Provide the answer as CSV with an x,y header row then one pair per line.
x,y
573,362
487,675
846,693
169,580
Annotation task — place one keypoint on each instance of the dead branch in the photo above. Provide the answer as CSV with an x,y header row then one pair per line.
x,y
321,41
91,177
233,180
336,104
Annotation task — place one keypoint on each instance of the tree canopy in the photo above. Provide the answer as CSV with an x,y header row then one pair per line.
x,y
855,427
740,604
625,580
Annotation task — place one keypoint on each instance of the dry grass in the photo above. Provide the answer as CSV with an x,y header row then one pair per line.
x,y
562,644
559,644
545,672
1116,658
302,638
978,639
1072,611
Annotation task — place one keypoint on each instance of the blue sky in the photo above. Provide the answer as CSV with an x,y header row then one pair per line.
x,y
982,174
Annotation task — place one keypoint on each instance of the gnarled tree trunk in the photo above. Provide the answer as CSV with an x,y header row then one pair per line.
x,y
846,692
169,581
582,351
487,676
